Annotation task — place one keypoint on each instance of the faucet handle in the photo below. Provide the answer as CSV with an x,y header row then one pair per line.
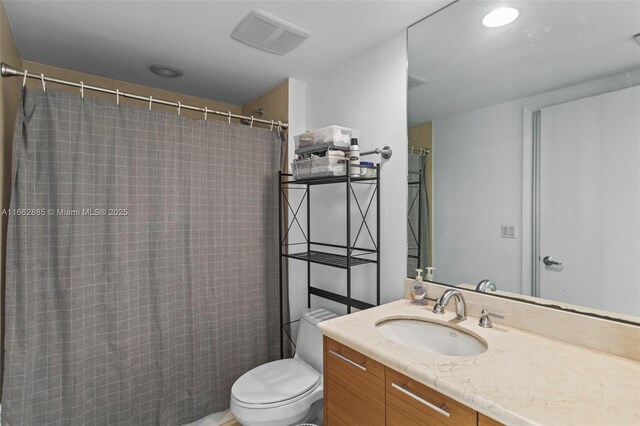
x,y
485,321
438,308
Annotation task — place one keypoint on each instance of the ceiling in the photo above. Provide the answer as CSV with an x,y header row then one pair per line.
x,y
553,44
120,39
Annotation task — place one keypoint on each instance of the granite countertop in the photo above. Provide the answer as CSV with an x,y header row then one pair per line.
x,y
521,379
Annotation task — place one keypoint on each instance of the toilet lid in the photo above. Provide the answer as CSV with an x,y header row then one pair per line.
x,y
275,382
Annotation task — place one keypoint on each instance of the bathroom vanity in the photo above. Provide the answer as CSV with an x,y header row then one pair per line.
x,y
374,394
520,378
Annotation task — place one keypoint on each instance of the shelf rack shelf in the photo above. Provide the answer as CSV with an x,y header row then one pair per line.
x,y
329,259
341,256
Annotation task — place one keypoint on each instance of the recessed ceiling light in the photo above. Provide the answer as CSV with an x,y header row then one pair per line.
x,y
637,38
165,71
500,17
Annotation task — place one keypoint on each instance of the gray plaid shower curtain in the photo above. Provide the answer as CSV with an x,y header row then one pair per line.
x,y
142,266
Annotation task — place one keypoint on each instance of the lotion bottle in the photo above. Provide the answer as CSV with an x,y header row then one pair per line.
x,y
354,158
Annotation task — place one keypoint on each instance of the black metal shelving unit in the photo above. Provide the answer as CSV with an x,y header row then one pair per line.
x,y
343,256
415,233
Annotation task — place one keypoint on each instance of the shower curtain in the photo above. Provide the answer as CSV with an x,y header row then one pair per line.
x,y
142,267
417,206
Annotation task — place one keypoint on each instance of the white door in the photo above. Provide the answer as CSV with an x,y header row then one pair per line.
x,y
590,202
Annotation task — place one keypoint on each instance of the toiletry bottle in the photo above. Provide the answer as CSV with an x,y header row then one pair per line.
x,y
418,291
354,158
429,275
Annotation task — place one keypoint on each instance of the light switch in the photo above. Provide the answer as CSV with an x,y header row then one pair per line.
x,y
508,231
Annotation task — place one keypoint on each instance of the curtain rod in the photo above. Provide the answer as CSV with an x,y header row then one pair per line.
x,y
9,71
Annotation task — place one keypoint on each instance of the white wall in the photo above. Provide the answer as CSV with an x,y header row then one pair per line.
x,y
477,175
368,93
297,113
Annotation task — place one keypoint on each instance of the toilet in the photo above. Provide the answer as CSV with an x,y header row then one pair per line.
x,y
287,391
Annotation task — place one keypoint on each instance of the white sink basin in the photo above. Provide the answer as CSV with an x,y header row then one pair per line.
x,y
431,337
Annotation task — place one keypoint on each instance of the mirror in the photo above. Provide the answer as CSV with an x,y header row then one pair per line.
x,y
524,151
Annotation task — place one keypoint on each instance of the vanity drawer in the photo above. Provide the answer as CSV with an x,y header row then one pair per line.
x,y
410,403
353,387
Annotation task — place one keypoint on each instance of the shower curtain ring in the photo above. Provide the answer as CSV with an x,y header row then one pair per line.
x,y
206,110
81,89
117,97
252,121
179,106
279,126
272,125
44,86
229,116
24,78
150,102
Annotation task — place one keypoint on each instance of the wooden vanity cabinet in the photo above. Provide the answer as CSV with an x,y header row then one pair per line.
x,y
359,391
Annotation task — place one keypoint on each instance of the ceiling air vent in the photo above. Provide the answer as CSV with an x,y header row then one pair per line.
x,y
270,33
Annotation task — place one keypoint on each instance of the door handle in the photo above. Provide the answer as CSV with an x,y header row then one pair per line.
x,y
548,260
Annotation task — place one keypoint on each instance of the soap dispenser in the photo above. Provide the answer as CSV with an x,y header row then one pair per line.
x,y
418,292
429,274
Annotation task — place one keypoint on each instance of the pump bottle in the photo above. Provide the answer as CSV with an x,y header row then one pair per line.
x,y
429,275
418,292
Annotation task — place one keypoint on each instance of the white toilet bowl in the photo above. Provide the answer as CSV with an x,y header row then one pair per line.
x,y
287,391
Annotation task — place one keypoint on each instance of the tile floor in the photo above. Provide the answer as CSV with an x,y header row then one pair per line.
x,y
223,418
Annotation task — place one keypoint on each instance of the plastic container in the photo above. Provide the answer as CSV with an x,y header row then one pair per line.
x,y
369,171
319,167
325,137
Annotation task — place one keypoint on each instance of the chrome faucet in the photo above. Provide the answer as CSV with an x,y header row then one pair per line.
x,y
482,286
461,306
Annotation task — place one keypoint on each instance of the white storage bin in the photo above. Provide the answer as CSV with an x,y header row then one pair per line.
x,y
319,167
327,136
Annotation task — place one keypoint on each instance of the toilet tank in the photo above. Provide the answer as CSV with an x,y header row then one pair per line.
x,y
309,340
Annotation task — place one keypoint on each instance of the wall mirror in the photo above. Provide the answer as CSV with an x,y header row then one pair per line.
x,y
524,151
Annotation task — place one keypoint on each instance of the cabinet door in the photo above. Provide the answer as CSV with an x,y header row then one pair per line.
x,y
487,421
353,387
410,403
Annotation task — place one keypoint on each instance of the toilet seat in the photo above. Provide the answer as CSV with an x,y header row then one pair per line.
x,y
275,384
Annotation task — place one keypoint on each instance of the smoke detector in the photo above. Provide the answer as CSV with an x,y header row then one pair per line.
x,y
270,33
